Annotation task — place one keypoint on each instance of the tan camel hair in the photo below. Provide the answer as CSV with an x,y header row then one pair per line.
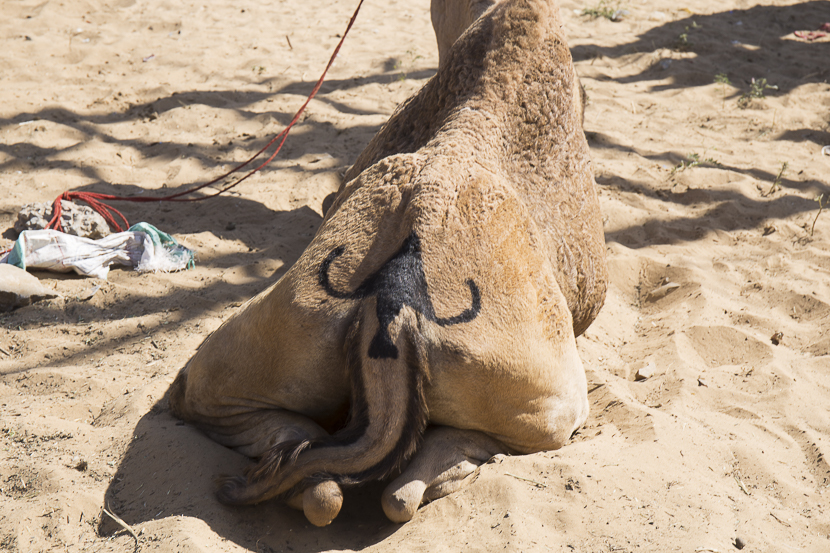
x,y
430,324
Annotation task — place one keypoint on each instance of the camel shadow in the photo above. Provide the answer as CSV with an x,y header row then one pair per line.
x,y
169,469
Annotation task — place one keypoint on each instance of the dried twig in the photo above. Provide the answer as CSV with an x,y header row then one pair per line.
x,y
741,484
123,525
779,520
776,184
534,482
821,206
597,387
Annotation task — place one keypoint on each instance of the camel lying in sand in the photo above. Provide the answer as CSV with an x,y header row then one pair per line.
x,y
431,322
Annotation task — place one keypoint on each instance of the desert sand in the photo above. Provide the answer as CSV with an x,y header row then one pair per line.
x,y
705,433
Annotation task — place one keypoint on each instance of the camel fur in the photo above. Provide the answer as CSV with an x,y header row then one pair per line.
x,y
430,324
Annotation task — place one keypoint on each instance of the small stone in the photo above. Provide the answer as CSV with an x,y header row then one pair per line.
x,y
19,288
645,372
662,291
739,543
87,294
776,338
618,15
78,220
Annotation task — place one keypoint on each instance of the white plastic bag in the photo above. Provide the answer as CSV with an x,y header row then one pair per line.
x,y
142,246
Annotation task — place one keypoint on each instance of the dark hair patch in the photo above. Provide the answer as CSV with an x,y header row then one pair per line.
x,y
400,281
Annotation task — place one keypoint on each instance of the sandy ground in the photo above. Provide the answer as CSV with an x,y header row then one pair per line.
x,y
710,249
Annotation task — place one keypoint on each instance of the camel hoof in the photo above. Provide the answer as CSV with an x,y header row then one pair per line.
x,y
401,503
322,502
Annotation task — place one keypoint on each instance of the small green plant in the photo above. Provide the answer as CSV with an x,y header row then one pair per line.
x,y
693,160
757,90
723,80
776,184
682,44
605,9
821,205
401,65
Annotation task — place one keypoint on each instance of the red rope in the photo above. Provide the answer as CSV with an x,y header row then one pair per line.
x,y
94,199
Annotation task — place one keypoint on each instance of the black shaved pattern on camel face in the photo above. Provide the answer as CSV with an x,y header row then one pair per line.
x,y
401,281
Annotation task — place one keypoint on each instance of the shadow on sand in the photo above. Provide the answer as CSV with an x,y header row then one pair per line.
x,y
159,477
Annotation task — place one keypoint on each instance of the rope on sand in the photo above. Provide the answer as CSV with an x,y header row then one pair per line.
x,y
94,199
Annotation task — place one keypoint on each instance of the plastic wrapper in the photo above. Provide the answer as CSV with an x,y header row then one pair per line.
x,y
142,247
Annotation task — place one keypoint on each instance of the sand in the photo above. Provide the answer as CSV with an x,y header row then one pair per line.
x,y
708,368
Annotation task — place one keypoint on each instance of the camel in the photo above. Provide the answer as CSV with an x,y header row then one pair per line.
x,y
431,322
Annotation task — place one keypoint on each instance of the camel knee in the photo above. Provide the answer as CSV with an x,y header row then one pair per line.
x,y
250,431
182,403
555,425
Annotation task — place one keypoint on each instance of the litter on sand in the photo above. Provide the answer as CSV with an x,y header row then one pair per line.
x,y
823,31
142,246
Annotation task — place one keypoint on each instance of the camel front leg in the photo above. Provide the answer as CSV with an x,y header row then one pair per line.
x,y
256,432
447,456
